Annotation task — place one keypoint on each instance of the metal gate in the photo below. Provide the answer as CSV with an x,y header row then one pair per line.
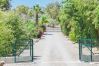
x,y
85,50
19,51
23,51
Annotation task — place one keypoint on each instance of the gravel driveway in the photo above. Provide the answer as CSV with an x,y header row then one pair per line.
x,y
54,50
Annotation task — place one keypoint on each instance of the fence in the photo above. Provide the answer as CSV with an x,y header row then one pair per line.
x,y
88,50
20,51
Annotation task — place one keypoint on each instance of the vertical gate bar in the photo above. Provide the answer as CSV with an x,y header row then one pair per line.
x,y
32,49
30,46
91,50
79,50
14,51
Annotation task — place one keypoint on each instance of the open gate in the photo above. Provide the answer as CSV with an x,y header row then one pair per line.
x,y
85,50
23,51
89,50
19,51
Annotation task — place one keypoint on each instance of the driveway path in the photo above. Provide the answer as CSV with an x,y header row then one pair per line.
x,y
54,50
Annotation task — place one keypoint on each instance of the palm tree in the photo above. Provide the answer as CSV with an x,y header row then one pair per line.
x,y
44,20
37,10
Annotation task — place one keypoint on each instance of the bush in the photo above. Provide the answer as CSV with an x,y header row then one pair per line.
x,y
80,19
32,29
6,37
11,29
72,36
43,28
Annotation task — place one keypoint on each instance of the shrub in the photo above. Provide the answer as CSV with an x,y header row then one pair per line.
x,y
80,19
6,37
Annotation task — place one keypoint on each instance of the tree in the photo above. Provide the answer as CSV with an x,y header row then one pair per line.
x,y
6,35
5,4
30,13
22,9
53,10
44,20
79,18
37,10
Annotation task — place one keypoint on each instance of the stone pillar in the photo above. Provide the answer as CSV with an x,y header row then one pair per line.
x,y
2,63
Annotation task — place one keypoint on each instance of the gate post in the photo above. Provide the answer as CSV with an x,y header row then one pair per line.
x,y
91,51
79,52
14,51
30,46
80,49
32,49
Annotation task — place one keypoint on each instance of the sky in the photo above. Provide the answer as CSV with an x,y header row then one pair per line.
x,y
31,3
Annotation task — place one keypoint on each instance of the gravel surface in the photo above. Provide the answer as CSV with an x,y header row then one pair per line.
x,y
54,50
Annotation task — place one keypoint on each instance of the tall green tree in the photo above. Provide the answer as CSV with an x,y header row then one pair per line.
x,y
79,18
31,13
37,10
5,4
22,9
53,10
